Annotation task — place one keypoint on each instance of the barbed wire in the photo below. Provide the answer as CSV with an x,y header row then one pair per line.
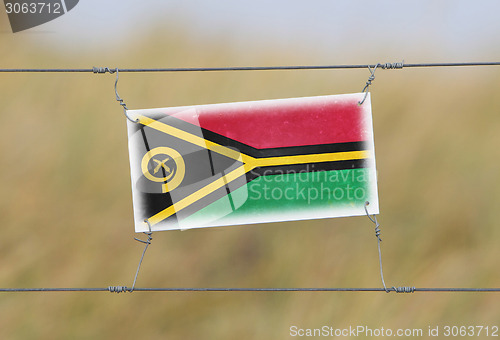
x,y
398,65
122,289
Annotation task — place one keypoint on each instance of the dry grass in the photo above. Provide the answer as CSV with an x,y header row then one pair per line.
x,y
65,206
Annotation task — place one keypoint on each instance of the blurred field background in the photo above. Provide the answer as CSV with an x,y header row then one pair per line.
x,y
66,208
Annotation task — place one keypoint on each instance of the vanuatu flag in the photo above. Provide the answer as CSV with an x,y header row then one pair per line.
x,y
252,162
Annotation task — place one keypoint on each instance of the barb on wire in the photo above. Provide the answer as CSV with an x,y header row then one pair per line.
x,y
118,289
102,70
392,66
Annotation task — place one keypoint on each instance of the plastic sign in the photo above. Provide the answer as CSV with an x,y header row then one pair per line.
x,y
252,162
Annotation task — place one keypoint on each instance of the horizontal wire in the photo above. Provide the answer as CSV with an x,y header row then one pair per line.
x,y
125,289
248,68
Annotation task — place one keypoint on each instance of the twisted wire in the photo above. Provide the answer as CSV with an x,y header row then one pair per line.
x,y
117,289
379,239
147,243
103,70
368,83
404,289
118,98
392,66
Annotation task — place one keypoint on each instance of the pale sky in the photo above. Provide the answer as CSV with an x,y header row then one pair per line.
x,y
444,30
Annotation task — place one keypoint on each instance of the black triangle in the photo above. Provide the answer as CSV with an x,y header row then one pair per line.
x,y
70,4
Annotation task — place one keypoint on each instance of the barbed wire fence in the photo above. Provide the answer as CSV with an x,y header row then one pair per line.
x,y
371,67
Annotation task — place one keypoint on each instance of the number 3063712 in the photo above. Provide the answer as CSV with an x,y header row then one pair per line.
x,y
455,331
33,8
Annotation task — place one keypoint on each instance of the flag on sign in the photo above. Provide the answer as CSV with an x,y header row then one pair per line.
x,y
252,162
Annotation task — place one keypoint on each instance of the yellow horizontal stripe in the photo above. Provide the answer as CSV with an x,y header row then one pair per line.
x,y
305,159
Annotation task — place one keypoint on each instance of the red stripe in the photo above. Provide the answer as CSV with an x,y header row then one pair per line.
x,y
285,122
